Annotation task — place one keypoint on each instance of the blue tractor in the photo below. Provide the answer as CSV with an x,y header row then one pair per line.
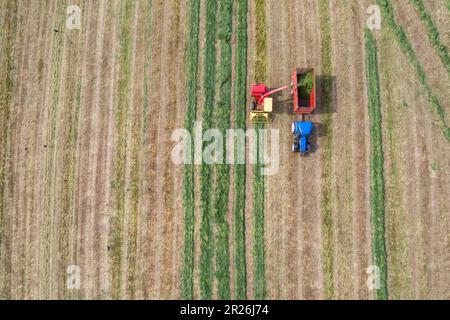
x,y
302,131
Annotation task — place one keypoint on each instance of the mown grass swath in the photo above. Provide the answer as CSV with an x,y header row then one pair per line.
x,y
7,71
118,184
49,169
193,7
206,187
405,45
433,33
223,170
327,144
447,4
260,69
240,275
376,165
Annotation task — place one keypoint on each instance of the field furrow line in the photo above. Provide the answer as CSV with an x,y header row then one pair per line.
x,y
118,183
168,123
310,219
20,163
272,200
51,151
360,246
133,128
145,240
177,187
35,68
396,126
8,64
326,103
154,88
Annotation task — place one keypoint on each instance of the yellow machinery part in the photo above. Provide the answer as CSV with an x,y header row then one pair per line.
x,y
259,117
268,105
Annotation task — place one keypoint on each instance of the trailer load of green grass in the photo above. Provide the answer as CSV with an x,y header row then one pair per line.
x,y
305,85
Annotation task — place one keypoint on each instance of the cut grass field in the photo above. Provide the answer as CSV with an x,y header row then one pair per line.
x,y
193,8
240,273
118,184
405,45
326,192
7,68
206,185
223,170
260,72
376,166
432,33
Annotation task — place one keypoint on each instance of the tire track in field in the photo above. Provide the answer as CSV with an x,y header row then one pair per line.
x,y
83,198
93,153
148,157
289,275
360,155
133,288
164,209
274,206
399,271
19,162
154,87
310,218
7,87
178,170
128,249
65,167
39,151
102,161
57,276
29,236
53,94
342,35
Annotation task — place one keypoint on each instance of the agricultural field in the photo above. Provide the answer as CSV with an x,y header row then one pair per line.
x,y
94,206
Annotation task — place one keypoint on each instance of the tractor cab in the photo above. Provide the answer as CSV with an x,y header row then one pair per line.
x,y
301,131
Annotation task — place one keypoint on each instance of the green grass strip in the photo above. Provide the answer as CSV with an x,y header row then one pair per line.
x,y
240,273
260,71
432,32
118,184
206,192
223,170
379,257
193,8
405,45
7,71
327,145
260,67
447,4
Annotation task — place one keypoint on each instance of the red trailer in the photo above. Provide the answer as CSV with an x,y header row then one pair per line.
x,y
304,90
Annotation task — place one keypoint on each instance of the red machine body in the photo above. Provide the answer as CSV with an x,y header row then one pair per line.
x,y
301,106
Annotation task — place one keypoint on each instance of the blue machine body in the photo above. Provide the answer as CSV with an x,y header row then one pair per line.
x,y
301,131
